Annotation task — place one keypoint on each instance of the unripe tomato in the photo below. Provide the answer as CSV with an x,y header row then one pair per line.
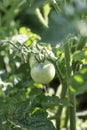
x,y
43,72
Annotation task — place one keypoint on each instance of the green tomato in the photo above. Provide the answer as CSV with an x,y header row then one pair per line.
x,y
32,60
43,72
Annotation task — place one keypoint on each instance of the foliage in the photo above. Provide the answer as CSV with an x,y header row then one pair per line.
x,y
50,30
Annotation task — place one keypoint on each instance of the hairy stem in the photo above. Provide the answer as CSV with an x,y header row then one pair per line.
x,y
66,118
72,109
60,109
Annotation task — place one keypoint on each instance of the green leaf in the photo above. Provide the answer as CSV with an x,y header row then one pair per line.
x,y
38,123
49,102
78,82
78,55
19,117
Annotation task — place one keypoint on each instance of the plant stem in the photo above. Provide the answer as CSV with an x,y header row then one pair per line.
x,y
72,109
67,61
59,74
66,117
62,96
59,112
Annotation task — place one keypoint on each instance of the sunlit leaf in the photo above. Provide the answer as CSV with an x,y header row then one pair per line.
x,y
79,82
78,55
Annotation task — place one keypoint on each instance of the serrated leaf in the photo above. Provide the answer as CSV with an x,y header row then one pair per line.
x,y
38,123
48,102
78,82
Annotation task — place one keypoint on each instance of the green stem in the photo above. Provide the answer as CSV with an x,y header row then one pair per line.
x,y
66,117
72,110
59,112
62,96
67,61
59,74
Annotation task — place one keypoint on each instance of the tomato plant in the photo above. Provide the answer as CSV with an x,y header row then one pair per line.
x,y
43,64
